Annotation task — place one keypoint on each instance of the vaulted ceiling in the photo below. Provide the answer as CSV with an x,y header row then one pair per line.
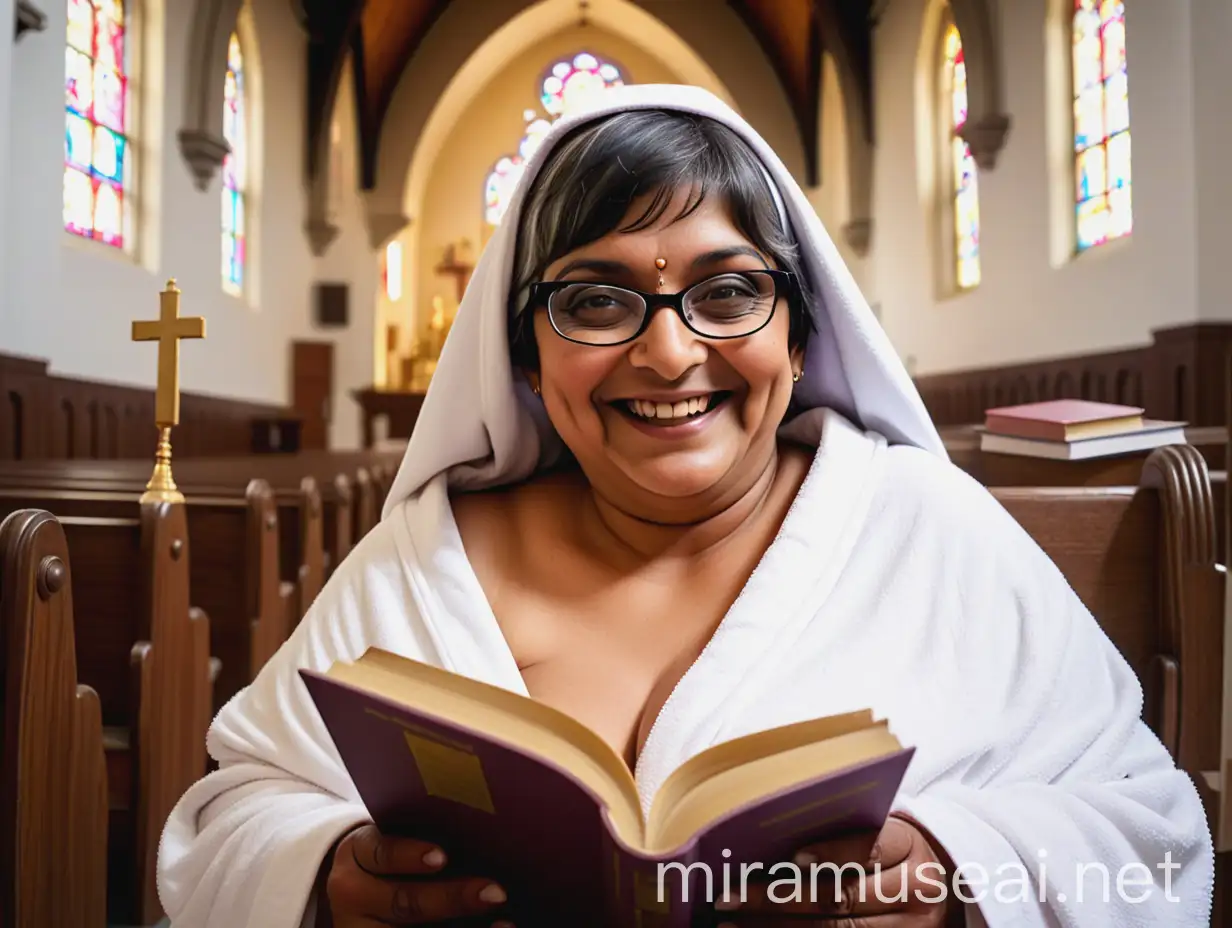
x,y
384,35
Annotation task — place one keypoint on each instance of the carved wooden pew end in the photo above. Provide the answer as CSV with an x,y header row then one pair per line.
x,y
53,792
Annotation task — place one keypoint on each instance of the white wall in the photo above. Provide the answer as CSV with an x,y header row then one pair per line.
x,y
1212,77
6,62
72,301
350,258
1027,308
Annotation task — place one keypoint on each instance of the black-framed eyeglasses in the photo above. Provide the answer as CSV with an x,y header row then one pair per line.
x,y
734,304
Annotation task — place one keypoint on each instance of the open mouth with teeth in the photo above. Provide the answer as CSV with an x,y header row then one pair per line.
x,y
665,414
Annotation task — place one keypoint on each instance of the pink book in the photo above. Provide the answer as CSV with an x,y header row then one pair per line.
x,y
1063,420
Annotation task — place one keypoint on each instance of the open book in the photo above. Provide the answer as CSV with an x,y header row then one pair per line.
x,y
517,791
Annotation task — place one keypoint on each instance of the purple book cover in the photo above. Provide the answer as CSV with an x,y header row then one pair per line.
x,y
502,813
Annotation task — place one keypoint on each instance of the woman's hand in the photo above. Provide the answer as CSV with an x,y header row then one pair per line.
x,y
376,881
912,889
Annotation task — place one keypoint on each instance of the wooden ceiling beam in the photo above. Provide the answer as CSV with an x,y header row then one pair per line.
x,y
847,32
376,90
800,80
329,26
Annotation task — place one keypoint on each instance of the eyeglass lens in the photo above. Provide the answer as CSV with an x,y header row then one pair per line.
x,y
724,306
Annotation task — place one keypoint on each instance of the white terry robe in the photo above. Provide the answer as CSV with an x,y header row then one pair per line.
x,y
895,583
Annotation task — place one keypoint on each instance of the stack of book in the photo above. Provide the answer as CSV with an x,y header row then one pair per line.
x,y
1073,430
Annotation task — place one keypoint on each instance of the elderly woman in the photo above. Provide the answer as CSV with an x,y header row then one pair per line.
x,y
671,479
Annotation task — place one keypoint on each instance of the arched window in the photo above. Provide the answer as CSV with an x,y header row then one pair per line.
x,y
97,159
391,271
963,188
568,84
234,173
1101,123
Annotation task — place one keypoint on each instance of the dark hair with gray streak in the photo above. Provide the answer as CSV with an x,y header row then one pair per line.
x,y
593,176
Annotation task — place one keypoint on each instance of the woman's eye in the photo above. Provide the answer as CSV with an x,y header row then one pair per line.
x,y
726,291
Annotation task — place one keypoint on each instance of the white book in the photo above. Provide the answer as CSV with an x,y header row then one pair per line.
x,y
1153,434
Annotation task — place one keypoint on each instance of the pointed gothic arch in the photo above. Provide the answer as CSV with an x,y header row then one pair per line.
x,y
202,143
988,124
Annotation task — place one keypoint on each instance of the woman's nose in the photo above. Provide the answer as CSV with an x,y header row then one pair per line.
x,y
667,346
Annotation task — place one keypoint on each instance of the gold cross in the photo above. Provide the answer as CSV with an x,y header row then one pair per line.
x,y
168,331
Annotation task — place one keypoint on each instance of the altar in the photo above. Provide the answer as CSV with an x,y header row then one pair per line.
x,y
399,408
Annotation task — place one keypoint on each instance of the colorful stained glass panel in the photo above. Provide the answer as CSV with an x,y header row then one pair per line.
x,y
1118,161
500,186
78,141
1102,177
108,213
108,158
109,39
1092,172
111,9
79,82
568,85
1092,222
108,97
1088,118
1116,102
965,201
95,136
81,25
233,170
78,202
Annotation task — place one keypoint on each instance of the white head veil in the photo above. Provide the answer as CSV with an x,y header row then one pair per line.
x,y
482,425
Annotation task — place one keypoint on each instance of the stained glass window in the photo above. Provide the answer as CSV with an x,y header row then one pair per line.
x,y
391,271
1101,123
568,85
234,166
964,190
96,143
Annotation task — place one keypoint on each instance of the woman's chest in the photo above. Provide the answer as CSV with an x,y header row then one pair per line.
x,y
612,658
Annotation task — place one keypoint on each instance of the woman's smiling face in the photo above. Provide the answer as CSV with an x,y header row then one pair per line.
x,y
609,404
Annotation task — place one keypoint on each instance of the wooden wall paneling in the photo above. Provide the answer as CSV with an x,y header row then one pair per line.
x,y
1179,375
45,416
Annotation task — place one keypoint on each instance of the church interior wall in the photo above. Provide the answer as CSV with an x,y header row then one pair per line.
x,y
446,145
832,197
72,301
7,311
350,258
1212,80
1029,306
454,195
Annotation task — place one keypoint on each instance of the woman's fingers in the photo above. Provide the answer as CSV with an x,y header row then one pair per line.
x,y
877,893
368,881
390,902
381,855
897,920
440,900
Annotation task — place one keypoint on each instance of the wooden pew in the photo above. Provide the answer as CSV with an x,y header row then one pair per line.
x,y
343,497
147,655
1143,561
301,510
233,576
53,790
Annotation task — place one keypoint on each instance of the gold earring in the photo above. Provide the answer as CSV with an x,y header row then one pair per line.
x,y
796,375
660,263
534,388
